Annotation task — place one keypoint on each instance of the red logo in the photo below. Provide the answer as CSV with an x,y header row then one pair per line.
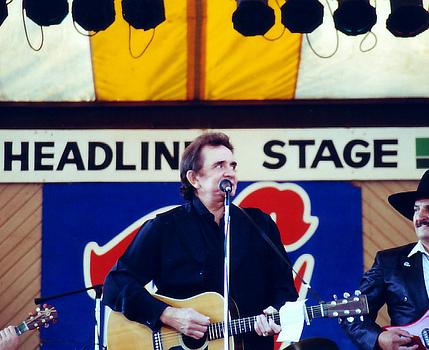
x,y
288,205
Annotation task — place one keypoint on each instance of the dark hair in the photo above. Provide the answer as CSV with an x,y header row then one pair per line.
x,y
191,159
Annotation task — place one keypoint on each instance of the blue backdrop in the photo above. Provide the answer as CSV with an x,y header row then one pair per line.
x,y
75,214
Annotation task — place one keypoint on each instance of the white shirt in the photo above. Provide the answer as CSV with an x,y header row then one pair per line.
x,y
425,262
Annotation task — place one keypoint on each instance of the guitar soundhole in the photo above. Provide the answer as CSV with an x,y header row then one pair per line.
x,y
192,343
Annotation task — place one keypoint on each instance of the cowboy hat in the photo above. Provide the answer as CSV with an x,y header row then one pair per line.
x,y
404,201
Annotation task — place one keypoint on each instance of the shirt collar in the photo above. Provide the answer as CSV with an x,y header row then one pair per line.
x,y
200,207
418,248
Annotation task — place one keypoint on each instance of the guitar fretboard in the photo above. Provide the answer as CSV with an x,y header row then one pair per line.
x,y
316,311
21,328
247,324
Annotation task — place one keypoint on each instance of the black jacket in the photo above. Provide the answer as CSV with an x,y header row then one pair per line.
x,y
397,281
170,251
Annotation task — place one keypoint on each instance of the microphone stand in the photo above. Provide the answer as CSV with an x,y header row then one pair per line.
x,y
97,315
227,219
98,292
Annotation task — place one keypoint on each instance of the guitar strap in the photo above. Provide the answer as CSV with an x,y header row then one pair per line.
x,y
277,251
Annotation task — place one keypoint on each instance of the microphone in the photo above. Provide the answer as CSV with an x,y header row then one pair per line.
x,y
225,185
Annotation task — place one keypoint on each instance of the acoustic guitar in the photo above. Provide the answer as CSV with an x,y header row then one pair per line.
x,y
42,316
419,329
123,334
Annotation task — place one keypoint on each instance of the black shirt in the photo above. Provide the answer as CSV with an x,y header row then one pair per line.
x,y
181,251
214,245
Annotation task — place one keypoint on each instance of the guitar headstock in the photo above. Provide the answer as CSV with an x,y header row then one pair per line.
x,y
42,316
348,306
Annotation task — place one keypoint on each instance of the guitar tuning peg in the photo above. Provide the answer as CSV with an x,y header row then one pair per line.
x,y
350,319
346,295
358,292
361,318
335,297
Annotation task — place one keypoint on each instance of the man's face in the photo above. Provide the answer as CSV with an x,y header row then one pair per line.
x,y
421,218
218,163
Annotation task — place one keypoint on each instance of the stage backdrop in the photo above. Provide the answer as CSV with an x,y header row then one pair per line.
x,y
87,226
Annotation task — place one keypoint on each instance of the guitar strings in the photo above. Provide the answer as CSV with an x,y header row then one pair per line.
x,y
218,327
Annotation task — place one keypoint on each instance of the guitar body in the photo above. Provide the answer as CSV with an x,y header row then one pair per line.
x,y
416,329
124,334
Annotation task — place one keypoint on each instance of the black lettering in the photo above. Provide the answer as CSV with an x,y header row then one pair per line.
x,y
145,156
92,151
379,153
363,157
71,155
120,158
268,150
39,155
9,157
162,151
331,157
301,149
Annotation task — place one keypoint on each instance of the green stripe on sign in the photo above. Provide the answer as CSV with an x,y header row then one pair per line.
x,y
422,147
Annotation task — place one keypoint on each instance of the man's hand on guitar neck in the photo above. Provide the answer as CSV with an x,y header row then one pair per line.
x,y
265,327
186,321
396,339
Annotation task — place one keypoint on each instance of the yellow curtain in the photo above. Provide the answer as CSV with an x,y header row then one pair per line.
x,y
159,74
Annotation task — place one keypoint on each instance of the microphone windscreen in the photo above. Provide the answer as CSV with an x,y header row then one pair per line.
x,y
225,185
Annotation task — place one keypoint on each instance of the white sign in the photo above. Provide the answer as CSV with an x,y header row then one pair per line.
x,y
262,154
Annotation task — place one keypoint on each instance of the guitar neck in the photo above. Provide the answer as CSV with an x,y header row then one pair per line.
x,y
316,311
21,328
236,327
247,324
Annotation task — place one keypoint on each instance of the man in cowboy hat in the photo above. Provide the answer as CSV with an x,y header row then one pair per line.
x,y
398,278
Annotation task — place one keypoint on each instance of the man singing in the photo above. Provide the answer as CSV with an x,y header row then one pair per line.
x,y
182,252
